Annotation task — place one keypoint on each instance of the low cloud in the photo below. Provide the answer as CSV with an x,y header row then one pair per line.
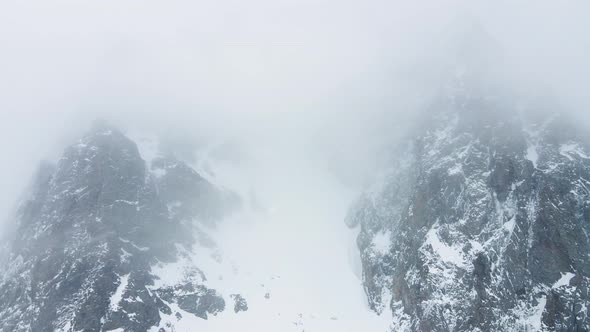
x,y
330,76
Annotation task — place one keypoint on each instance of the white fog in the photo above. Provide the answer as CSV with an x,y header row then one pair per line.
x,y
295,106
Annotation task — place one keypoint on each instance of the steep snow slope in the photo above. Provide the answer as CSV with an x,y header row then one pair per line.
x,y
286,253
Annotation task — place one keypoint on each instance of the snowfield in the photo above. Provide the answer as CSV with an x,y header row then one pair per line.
x,y
287,252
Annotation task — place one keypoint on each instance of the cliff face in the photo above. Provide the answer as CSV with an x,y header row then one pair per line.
x,y
86,243
481,223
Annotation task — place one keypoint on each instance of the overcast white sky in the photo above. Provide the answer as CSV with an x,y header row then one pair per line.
x,y
234,65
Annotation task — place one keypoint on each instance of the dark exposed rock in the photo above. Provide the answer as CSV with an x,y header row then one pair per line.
x,y
196,299
240,303
81,251
485,211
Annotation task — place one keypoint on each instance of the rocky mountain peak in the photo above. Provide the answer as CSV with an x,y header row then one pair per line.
x,y
90,232
481,223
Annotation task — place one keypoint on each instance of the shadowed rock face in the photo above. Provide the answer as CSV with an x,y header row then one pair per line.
x,y
80,254
481,224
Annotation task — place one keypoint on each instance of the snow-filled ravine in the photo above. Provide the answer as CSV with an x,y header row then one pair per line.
x,y
287,251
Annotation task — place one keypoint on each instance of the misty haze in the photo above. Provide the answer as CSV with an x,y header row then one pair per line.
x,y
294,166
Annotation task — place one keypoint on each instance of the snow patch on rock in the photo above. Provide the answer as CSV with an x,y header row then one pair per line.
x,y
118,295
564,280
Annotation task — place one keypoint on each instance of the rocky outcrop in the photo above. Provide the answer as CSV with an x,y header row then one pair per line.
x,y
240,303
482,222
82,249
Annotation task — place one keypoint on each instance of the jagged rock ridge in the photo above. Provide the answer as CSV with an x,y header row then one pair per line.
x,y
80,256
481,224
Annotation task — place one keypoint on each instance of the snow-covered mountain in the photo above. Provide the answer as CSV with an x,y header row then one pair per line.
x,y
479,223
120,236
482,221
84,252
